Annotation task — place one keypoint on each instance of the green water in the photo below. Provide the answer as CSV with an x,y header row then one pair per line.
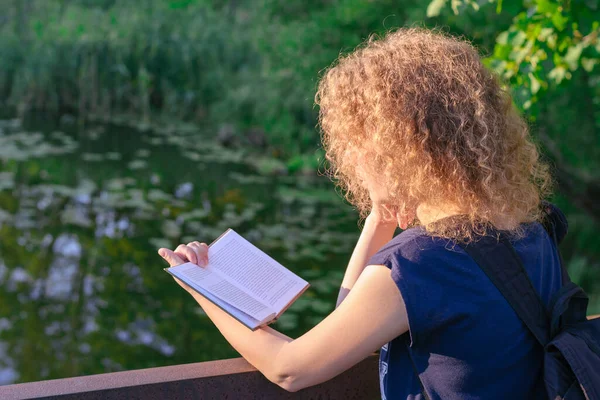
x,y
83,210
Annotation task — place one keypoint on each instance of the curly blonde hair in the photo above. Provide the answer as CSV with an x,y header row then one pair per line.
x,y
418,109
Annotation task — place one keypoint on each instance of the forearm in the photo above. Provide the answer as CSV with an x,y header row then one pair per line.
x,y
260,347
373,236
294,364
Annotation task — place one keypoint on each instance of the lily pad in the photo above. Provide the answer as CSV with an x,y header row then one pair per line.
x,y
92,157
6,180
137,164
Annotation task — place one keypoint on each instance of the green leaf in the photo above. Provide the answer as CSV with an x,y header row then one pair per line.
x,y
455,4
557,74
535,84
589,63
518,39
435,7
559,21
546,6
502,38
572,56
545,34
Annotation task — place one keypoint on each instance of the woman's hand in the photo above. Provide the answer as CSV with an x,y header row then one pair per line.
x,y
194,252
383,211
383,214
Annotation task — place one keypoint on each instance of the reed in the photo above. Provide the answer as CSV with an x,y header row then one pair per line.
x,y
252,64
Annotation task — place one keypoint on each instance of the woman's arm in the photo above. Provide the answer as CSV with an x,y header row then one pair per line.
x,y
374,235
340,341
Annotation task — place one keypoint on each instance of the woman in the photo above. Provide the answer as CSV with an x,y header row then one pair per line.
x,y
419,134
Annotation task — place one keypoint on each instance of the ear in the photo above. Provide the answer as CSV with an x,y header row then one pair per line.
x,y
405,217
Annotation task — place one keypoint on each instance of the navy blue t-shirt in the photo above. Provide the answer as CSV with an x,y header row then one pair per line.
x,y
464,339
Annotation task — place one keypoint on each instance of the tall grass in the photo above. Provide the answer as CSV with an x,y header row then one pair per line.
x,y
134,57
253,64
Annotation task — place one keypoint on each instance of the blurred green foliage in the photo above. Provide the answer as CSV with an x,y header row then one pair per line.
x,y
250,66
254,64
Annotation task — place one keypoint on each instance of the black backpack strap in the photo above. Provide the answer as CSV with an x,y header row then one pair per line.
x,y
555,223
497,258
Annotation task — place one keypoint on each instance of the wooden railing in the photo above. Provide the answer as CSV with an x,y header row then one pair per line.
x,y
223,379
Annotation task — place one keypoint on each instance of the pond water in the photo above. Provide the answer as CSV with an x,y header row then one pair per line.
x,y
82,213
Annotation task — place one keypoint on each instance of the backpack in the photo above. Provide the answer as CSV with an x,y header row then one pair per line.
x,y
571,342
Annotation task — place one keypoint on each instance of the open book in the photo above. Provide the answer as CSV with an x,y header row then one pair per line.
x,y
243,281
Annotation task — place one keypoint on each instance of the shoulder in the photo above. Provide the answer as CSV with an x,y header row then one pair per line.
x,y
416,246
430,273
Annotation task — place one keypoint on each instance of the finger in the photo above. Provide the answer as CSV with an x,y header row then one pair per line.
x,y
199,259
201,250
405,217
388,214
202,246
170,256
196,243
187,253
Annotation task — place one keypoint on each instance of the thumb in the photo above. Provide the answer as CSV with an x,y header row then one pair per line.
x,y
170,257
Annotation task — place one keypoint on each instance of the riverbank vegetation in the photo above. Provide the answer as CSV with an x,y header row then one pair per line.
x,y
238,66
247,71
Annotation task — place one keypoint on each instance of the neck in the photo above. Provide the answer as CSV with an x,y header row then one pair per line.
x,y
427,213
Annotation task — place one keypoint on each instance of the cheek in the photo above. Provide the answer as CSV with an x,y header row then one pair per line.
x,y
361,174
367,178
362,177
377,189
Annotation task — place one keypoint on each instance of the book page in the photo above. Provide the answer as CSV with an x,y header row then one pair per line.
x,y
214,284
241,316
254,271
